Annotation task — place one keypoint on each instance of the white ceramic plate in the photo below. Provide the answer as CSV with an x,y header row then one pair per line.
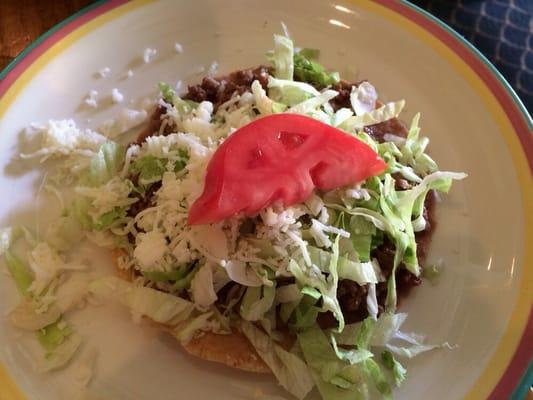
x,y
475,124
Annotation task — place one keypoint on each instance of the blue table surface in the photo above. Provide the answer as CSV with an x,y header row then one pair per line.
x,y
501,29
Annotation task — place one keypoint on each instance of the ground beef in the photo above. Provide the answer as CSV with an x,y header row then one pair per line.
x,y
154,124
352,297
342,100
394,126
377,131
144,200
219,90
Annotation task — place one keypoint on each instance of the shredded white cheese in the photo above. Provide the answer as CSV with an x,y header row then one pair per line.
x,y
213,69
151,247
90,100
116,96
46,265
104,72
62,138
149,54
178,47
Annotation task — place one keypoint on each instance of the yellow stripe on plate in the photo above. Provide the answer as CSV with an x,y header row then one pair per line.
x,y
9,390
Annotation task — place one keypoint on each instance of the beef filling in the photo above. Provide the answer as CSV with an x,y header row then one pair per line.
x,y
219,90
352,296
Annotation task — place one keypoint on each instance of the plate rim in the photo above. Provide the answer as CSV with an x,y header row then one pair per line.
x,y
514,379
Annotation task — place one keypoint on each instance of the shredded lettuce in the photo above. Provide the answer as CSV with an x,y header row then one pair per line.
x,y
80,211
413,150
64,232
150,249
167,93
381,114
310,54
283,57
186,281
334,378
399,373
202,288
372,301
186,332
311,105
376,374
361,233
327,286
28,316
305,313
243,273
306,69
290,92
256,302
288,293
54,334
263,103
382,333
340,116
290,370
162,276
414,350
47,266
61,138
149,168
399,207
21,273
104,164
107,219
353,356
143,301
360,272
62,354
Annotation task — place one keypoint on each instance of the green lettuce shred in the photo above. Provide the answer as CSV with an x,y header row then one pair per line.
x,y
399,373
149,168
257,301
306,69
107,219
167,93
104,165
144,301
21,273
290,370
54,334
283,57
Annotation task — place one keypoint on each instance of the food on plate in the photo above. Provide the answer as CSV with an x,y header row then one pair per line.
x,y
271,220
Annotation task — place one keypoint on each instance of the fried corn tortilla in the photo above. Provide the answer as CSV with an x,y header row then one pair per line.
x,y
233,350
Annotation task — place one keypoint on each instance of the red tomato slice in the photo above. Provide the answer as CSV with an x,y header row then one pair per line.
x,y
280,157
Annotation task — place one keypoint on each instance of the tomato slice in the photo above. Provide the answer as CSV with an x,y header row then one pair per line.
x,y
280,157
